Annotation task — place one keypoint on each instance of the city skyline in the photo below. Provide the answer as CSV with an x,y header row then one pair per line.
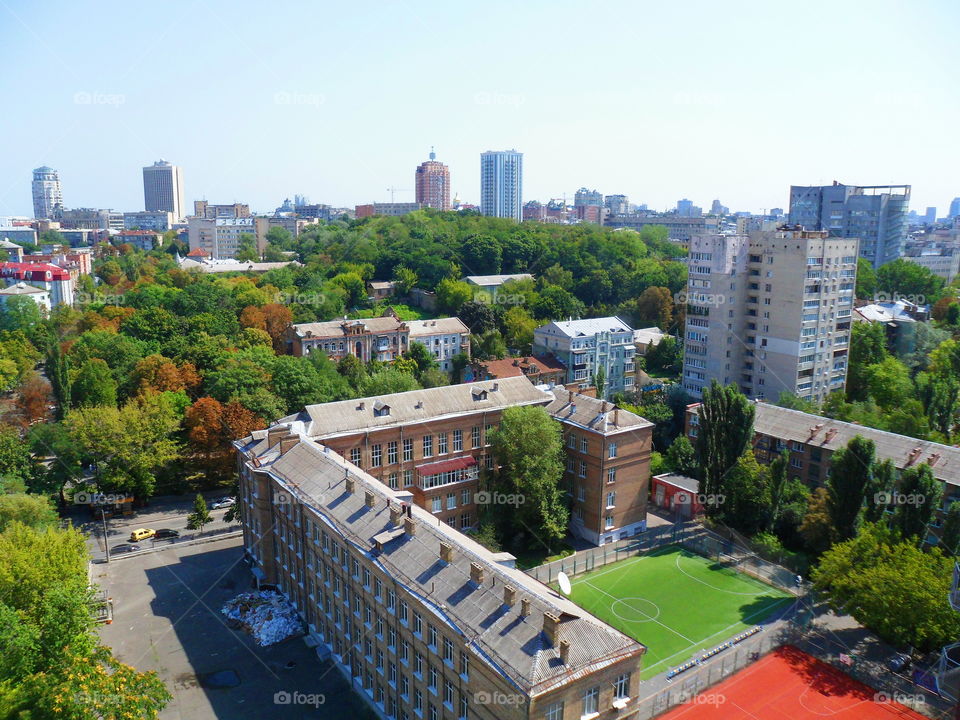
x,y
711,122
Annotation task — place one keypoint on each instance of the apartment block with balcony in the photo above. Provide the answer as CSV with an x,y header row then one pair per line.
x,y
435,444
770,312
586,346
422,621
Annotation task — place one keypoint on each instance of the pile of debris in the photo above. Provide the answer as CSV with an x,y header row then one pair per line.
x,y
266,615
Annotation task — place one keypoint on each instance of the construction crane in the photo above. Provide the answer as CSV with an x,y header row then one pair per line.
x,y
393,190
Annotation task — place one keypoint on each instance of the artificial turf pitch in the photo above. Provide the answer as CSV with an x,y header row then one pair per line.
x,y
676,603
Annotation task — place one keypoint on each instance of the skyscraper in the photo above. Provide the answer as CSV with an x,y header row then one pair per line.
x,y
501,184
771,312
433,183
876,214
47,197
954,208
163,188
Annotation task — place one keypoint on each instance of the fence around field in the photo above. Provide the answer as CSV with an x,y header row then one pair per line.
x,y
690,535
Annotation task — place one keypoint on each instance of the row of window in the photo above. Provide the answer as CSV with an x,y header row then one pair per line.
x,y
478,439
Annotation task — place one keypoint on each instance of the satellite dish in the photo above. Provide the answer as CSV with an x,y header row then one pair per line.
x,y
564,583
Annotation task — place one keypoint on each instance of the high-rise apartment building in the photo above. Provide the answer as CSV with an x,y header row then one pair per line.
x,y
47,196
587,197
433,183
875,214
954,208
617,204
770,312
501,184
163,189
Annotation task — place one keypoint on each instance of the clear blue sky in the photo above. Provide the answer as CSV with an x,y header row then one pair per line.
x,y
338,101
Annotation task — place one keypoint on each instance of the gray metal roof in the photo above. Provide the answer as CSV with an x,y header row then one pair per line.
x,y
512,645
591,413
439,326
586,328
490,280
350,416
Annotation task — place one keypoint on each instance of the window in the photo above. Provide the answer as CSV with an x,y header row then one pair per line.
x,y
418,664
436,504
611,475
432,676
404,685
392,452
394,485
572,441
355,456
442,443
376,455
583,444
554,711
407,478
428,446
591,701
448,692
464,664
448,650
621,686
611,499
432,636
465,497
475,437
612,450
402,611
417,623
458,440
407,449
608,522
583,469
404,650
451,501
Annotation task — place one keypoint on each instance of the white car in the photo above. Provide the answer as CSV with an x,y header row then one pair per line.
x,y
223,503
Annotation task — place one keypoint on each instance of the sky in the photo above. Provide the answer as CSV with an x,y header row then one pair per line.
x,y
257,101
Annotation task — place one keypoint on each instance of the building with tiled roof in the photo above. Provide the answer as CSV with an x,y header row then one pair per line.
x,y
39,296
540,371
55,280
421,620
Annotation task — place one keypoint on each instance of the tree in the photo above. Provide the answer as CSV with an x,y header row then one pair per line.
x,y
480,317
666,356
388,380
35,511
481,255
600,381
247,248
724,432
778,483
518,327
20,313
682,457
277,319
556,303
950,535
891,586
902,277
655,305
866,280
452,294
918,498
422,357
296,382
528,445
817,528
200,515
868,346
888,382
746,496
17,466
884,479
404,280
851,478
94,385
34,397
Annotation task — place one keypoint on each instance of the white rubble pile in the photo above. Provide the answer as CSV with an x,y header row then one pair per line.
x,y
266,615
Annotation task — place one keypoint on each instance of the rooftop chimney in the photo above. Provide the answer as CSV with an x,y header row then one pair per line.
x,y
351,485
287,442
496,386
551,627
395,514
361,405
446,552
524,607
476,573
275,433
509,595
409,527
369,499
565,652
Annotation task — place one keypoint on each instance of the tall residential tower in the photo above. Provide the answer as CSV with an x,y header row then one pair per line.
x,y
501,184
875,214
433,183
770,312
47,196
163,189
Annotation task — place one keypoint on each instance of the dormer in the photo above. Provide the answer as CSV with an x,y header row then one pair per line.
x,y
479,393
380,409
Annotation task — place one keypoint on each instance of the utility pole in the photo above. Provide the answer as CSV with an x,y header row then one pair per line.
x,y
106,542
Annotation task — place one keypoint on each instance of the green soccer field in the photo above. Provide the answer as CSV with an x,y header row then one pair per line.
x,y
676,603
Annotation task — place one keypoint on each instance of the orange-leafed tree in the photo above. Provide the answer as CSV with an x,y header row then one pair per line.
x,y
278,318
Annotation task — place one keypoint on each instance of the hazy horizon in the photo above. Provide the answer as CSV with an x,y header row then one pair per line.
x,y
340,102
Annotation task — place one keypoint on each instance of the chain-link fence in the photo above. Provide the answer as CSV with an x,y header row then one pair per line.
x,y
690,535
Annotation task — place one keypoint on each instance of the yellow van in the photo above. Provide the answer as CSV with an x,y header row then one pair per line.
x,y
141,534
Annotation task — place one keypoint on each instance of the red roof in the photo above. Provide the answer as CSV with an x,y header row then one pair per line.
x,y
137,232
435,468
505,368
198,252
33,271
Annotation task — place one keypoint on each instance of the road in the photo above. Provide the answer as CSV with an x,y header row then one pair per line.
x,y
161,513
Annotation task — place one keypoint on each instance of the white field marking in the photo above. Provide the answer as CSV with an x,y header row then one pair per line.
x,y
626,601
702,582
654,620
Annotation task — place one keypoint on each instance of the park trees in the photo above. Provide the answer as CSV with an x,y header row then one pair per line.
x,y
724,432
851,478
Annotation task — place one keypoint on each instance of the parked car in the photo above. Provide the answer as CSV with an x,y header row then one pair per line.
x,y
142,534
223,503
121,549
165,533
898,662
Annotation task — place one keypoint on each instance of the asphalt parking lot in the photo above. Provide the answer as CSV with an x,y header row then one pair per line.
x,y
167,618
